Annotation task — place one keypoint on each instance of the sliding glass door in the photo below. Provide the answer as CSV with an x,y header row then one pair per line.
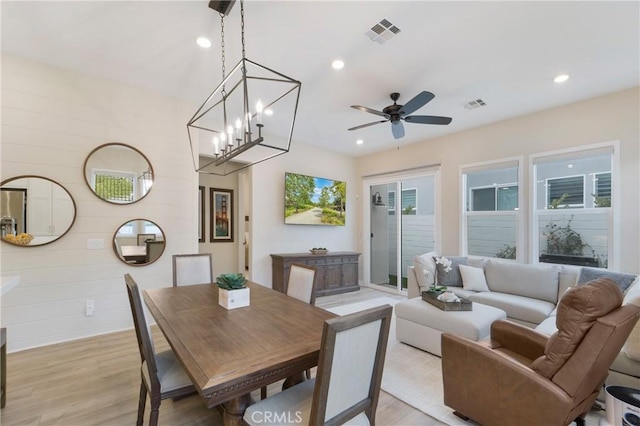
x,y
402,225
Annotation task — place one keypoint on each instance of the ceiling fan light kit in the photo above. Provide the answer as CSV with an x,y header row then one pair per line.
x,y
397,113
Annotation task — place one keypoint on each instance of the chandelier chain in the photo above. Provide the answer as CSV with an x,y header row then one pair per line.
x,y
242,26
222,48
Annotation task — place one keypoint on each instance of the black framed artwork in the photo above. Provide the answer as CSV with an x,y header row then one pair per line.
x,y
221,215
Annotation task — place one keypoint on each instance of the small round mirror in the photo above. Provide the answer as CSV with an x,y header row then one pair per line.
x,y
139,242
34,211
118,173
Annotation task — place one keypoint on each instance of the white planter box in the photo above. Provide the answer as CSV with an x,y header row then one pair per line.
x,y
231,299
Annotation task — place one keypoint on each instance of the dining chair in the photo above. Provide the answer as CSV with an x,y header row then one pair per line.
x,y
302,286
162,374
154,250
347,386
302,283
192,269
143,238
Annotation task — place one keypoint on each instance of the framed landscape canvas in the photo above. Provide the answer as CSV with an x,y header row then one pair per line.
x,y
201,237
221,214
313,200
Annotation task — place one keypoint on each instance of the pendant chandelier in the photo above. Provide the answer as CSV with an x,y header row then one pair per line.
x,y
249,116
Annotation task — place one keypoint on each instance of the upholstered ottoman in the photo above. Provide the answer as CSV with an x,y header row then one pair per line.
x,y
420,324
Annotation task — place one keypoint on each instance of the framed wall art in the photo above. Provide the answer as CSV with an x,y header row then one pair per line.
x,y
221,215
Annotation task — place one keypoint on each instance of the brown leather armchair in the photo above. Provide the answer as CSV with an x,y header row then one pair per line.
x,y
521,377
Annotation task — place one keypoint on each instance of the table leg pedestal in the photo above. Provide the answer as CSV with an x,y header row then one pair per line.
x,y
235,408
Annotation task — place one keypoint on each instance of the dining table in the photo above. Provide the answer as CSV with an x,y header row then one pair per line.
x,y
136,254
230,353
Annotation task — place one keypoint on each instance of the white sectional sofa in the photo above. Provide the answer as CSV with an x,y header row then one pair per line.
x,y
529,294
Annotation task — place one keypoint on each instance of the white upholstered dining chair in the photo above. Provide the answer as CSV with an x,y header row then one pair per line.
x,y
302,283
302,286
347,386
162,374
192,269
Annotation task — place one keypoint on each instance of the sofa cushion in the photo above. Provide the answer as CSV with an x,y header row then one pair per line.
x,y
517,307
453,277
579,308
631,348
622,280
568,278
547,326
534,281
422,263
473,278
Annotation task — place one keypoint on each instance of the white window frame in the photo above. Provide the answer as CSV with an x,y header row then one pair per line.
x,y
584,190
495,200
614,211
508,162
116,173
415,208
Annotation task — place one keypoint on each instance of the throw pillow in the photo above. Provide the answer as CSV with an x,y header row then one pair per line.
x,y
422,263
453,277
622,280
473,278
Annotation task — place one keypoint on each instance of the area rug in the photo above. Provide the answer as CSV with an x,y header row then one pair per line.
x,y
415,376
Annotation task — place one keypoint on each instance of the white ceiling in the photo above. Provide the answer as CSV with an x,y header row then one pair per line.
x,y
506,53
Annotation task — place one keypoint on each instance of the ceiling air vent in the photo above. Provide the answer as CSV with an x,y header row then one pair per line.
x,y
382,32
474,104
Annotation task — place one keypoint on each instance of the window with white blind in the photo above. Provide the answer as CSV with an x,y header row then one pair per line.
x,y
491,214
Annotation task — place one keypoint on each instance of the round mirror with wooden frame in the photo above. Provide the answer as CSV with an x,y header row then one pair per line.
x,y
118,173
34,211
139,242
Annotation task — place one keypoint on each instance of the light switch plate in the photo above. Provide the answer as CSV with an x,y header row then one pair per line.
x,y
95,243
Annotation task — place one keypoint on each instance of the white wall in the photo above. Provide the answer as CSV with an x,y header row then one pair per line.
x,y
271,235
605,118
51,120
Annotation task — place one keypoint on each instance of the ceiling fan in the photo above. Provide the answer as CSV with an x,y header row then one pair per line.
x,y
395,113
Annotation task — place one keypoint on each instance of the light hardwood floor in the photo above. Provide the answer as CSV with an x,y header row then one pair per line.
x,y
95,381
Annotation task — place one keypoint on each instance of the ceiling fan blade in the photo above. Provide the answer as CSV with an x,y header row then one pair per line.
x,y
427,119
416,103
397,129
367,125
371,111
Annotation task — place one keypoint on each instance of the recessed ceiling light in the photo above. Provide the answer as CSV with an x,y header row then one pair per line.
x,y
561,78
337,64
570,166
268,111
203,42
359,141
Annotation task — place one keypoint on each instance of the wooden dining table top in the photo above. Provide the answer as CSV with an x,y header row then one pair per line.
x,y
228,353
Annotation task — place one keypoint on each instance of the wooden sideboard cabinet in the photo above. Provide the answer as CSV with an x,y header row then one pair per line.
x,y
338,271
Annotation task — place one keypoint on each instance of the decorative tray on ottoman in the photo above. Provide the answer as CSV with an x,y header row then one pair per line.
x,y
432,298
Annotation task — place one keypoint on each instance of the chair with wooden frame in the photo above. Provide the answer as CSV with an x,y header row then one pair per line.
x,y
192,269
347,386
162,374
301,285
143,238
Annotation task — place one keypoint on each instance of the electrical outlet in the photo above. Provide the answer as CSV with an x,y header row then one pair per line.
x,y
95,243
89,308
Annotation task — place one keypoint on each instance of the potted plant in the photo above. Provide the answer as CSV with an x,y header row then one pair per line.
x,y
232,291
